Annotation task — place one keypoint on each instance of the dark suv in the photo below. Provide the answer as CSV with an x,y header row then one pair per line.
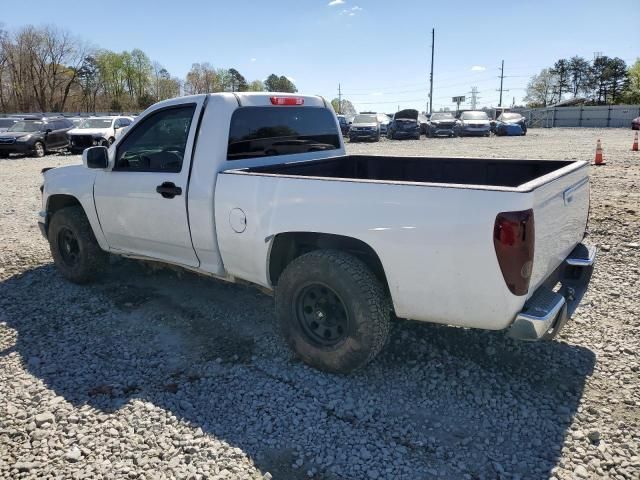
x,y
35,136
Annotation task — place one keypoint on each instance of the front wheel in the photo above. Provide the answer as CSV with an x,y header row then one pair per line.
x,y
332,311
74,248
38,149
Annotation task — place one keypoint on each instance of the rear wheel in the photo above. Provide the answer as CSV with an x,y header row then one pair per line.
x,y
74,247
332,311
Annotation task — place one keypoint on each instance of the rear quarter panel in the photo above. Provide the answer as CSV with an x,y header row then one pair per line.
x,y
561,208
435,243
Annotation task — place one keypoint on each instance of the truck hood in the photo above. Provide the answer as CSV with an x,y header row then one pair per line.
x,y
89,131
408,114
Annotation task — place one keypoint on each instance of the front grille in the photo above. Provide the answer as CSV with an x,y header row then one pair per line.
x,y
445,125
82,140
7,141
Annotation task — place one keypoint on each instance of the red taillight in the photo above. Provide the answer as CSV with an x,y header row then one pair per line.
x,y
287,101
514,241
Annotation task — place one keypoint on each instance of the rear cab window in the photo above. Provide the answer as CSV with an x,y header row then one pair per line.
x,y
271,131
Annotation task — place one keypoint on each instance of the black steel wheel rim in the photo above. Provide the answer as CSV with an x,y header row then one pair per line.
x,y
68,247
322,315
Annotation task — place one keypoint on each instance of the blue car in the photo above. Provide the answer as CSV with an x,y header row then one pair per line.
x,y
511,123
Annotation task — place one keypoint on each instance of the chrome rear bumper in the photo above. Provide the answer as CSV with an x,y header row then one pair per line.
x,y
549,308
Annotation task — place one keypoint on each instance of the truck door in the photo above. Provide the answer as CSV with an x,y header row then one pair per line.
x,y
141,202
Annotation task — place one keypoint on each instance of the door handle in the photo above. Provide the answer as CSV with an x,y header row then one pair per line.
x,y
168,190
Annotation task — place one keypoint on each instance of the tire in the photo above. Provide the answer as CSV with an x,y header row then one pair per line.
x,y
351,288
74,247
377,138
4,155
38,149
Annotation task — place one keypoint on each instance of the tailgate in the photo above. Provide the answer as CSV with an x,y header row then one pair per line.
x,y
561,208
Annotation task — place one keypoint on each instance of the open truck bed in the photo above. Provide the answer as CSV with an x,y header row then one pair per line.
x,y
480,172
431,221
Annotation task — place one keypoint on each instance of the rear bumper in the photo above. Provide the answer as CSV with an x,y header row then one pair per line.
x,y
549,308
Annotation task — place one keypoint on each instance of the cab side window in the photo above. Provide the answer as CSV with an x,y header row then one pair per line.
x,y
157,143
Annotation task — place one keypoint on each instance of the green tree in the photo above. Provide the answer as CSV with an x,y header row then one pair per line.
x,y
541,89
560,71
631,93
273,83
237,81
344,108
255,86
578,74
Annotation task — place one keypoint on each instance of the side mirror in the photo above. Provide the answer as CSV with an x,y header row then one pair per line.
x,y
48,130
95,157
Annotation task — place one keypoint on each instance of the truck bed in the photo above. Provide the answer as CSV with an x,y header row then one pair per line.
x,y
455,171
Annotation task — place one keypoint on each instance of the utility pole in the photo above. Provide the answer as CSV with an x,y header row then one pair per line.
x,y
339,99
501,80
433,40
474,97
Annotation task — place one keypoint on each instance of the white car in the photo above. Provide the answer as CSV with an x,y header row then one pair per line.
x,y
94,131
257,187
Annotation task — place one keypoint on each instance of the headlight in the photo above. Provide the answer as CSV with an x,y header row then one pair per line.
x,y
24,139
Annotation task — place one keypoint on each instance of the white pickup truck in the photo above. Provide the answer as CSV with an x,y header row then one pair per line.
x,y
257,187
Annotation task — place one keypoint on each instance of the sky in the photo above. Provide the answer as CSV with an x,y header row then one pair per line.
x,y
377,50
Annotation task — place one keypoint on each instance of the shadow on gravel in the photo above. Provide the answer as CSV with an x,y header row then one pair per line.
x,y
438,403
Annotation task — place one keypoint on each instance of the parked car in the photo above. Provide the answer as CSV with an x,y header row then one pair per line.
x,y
404,125
473,123
442,124
35,136
423,120
97,131
344,125
635,123
365,127
6,123
511,123
383,120
344,241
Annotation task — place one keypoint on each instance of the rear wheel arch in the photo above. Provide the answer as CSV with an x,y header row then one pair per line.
x,y
288,246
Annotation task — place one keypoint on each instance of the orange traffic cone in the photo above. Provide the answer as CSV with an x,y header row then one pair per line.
x,y
634,148
599,158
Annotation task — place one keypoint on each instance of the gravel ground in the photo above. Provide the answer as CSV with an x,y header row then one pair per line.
x,y
157,374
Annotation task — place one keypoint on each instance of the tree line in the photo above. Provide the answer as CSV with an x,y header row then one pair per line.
x,y
604,80
46,69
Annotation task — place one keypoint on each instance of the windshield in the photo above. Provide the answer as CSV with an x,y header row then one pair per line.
x,y
510,116
474,116
96,123
26,126
441,116
365,119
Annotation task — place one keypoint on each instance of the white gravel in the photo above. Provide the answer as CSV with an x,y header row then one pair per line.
x,y
152,374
